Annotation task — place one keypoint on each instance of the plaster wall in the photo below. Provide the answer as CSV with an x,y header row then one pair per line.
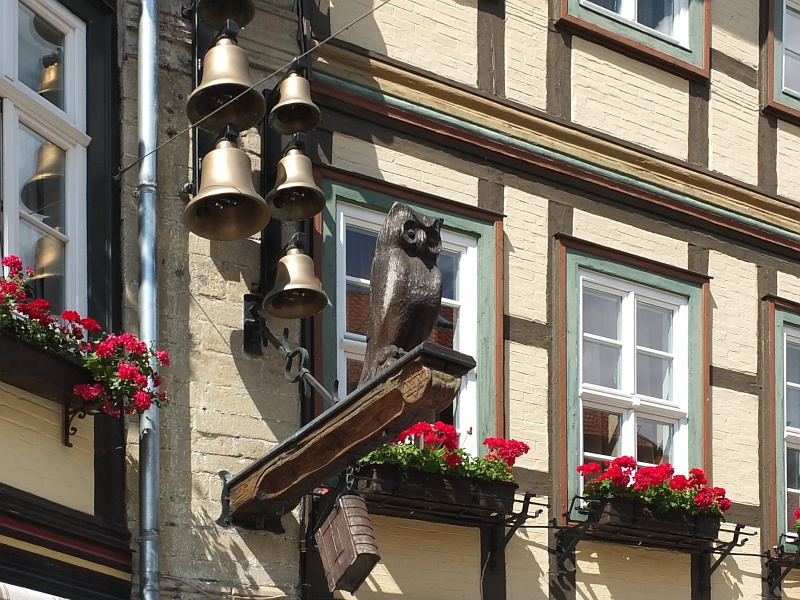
x,y
629,100
734,30
740,576
628,238
526,52
615,571
788,160
526,247
425,173
733,128
527,563
735,444
788,286
424,561
438,36
34,458
734,327
527,376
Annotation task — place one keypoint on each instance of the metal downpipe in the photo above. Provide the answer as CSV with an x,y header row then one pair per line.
x,y
149,463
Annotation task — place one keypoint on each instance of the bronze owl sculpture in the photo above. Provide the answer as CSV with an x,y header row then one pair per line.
x,y
405,287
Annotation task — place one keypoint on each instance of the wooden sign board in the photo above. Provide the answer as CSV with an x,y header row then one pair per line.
x,y
422,382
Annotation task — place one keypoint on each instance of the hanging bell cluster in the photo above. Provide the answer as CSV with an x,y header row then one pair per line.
x,y
295,197
226,205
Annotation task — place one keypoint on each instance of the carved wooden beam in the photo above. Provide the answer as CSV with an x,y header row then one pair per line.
x,y
423,381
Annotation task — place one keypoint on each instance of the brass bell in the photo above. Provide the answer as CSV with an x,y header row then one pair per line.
x,y
294,111
44,191
214,13
295,196
50,86
226,206
48,257
296,294
226,74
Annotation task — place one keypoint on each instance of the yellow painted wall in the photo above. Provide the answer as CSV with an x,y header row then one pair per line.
x,y
34,458
424,561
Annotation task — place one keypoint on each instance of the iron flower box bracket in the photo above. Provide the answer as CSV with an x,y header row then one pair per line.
x,y
423,381
626,521
44,374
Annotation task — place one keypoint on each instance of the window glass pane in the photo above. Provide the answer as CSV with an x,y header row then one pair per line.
x,y
41,55
601,313
46,254
360,245
791,71
446,326
357,308
793,469
448,265
354,368
653,442
41,176
601,432
792,504
792,407
612,5
793,362
656,14
791,30
653,327
653,376
601,364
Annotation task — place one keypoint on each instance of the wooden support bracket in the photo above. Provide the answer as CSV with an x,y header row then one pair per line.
x,y
422,382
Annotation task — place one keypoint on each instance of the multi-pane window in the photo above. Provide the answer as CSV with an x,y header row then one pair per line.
x,y
791,411
791,47
44,142
668,17
633,366
456,325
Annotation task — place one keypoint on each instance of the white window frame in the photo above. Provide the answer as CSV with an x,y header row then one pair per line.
x,y
65,128
627,14
353,346
625,401
791,435
795,6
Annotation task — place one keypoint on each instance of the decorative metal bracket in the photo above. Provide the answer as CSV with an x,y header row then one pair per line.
x,y
569,536
225,501
778,568
724,550
296,359
69,415
498,544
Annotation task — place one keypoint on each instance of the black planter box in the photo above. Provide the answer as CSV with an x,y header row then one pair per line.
x,y
415,494
39,371
630,521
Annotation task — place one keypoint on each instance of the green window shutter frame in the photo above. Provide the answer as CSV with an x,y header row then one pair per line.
x,y
576,261
483,232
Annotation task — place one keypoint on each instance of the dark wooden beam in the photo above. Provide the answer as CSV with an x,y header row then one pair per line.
x,y
422,382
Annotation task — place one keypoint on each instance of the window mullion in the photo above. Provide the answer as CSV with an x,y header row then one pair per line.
x,y
10,182
628,338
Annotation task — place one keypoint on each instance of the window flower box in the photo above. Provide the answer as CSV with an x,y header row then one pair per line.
x,y
627,520
39,371
415,494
